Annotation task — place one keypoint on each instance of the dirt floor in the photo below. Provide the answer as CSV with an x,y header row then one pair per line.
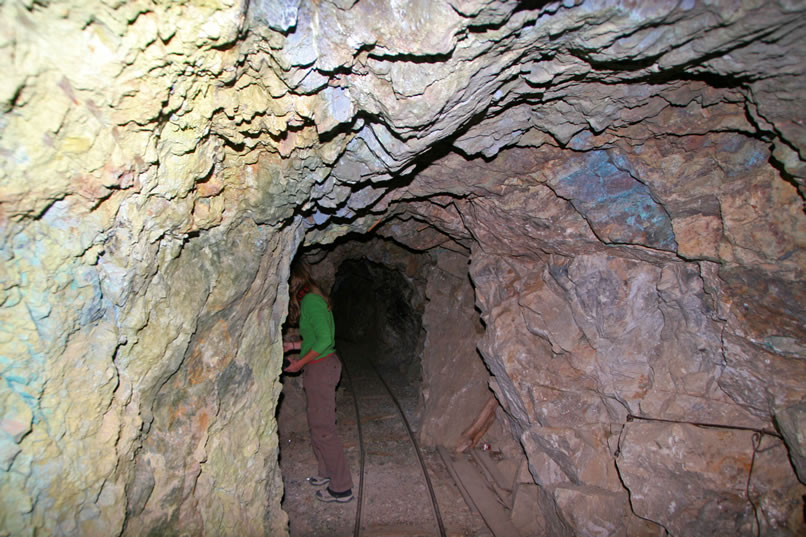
x,y
396,499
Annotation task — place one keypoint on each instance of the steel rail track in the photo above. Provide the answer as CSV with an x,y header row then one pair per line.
x,y
361,442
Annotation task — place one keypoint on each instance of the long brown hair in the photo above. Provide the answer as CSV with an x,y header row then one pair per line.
x,y
301,283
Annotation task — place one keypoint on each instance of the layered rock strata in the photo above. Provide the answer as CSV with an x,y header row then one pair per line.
x,y
628,180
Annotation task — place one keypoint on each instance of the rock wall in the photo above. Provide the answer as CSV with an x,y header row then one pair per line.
x,y
142,274
455,380
628,178
625,365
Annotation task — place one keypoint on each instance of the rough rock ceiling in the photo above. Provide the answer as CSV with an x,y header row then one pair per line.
x,y
493,74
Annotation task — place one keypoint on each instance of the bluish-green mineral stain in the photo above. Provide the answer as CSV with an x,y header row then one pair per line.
x,y
619,207
754,158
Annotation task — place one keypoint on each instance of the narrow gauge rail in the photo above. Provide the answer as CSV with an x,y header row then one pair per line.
x,y
361,375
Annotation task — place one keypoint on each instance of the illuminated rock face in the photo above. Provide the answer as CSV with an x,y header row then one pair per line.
x,y
627,179
606,354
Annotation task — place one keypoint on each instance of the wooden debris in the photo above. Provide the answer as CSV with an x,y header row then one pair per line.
x,y
479,494
471,436
494,476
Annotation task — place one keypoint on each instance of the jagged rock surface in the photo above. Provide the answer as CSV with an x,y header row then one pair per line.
x,y
628,177
455,381
582,335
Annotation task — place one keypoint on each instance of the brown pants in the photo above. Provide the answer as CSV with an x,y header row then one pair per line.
x,y
319,380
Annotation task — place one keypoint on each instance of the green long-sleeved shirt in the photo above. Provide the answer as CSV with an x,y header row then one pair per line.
x,y
316,326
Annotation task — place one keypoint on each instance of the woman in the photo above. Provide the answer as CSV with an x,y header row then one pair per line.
x,y
309,306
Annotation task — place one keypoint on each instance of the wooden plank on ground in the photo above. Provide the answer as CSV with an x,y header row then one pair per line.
x,y
483,498
448,460
494,476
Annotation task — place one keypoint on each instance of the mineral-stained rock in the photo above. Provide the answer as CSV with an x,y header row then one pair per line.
x,y
280,16
618,207
663,349
187,452
576,452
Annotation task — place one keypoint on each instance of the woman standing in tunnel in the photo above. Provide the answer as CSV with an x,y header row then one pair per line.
x,y
309,306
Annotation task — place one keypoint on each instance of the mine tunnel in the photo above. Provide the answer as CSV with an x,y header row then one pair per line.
x,y
375,305
407,329
568,235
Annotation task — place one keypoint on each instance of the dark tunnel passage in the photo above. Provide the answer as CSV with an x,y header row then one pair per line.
x,y
373,307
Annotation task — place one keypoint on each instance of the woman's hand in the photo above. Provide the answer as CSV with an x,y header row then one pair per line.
x,y
298,364
294,366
